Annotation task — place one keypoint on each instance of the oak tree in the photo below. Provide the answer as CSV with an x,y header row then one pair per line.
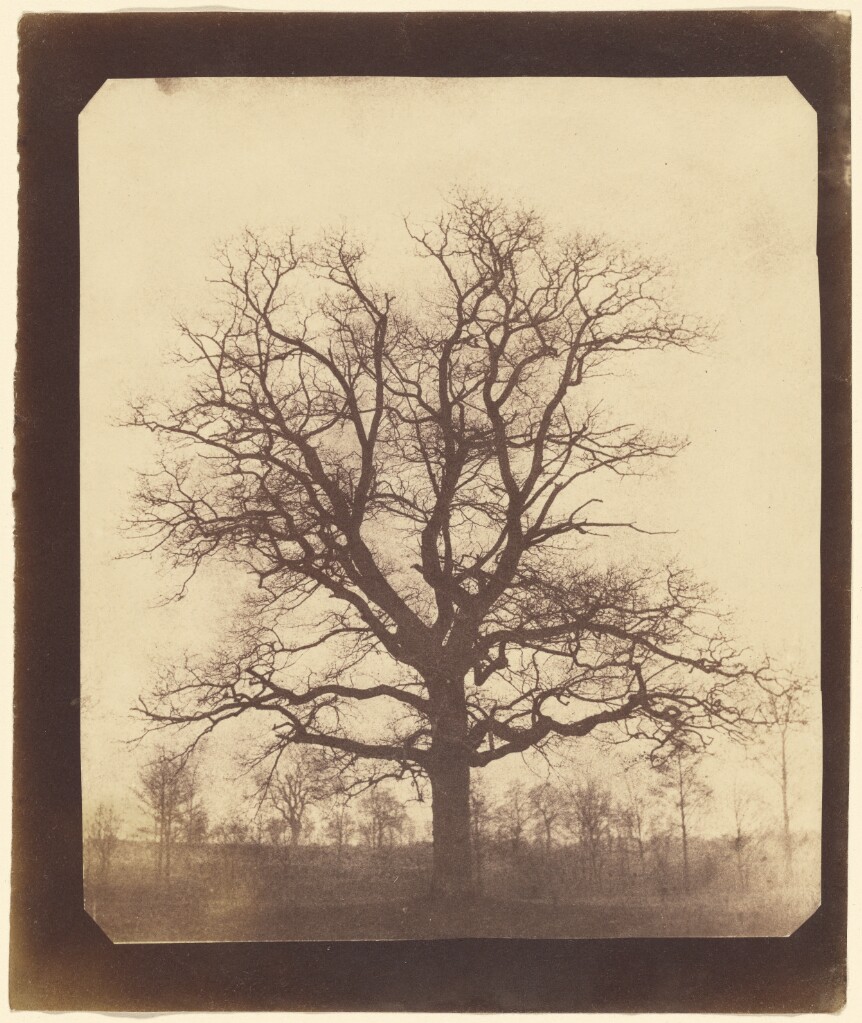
x,y
408,481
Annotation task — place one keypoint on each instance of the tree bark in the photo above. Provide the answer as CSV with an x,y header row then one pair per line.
x,y
450,795
452,879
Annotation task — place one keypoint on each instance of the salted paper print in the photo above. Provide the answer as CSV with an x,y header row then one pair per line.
x,y
449,508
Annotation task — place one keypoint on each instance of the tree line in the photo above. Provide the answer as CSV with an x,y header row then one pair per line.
x,y
642,823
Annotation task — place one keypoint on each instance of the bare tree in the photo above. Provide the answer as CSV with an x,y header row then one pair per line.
x,y
482,814
513,815
689,791
591,812
339,821
382,818
784,712
634,819
195,824
408,484
194,820
103,838
547,803
661,842
274,829
300,780
232,834
166,789
743,806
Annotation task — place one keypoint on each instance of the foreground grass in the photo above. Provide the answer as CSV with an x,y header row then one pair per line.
x,y
129,913
307,895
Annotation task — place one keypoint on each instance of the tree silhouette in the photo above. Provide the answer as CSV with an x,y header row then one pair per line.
x,y
167,788
513,815
633,815
591,813
102,841
745,809
548,805
408,485
784,712
338,821
295,785
688,792
382,818
482,815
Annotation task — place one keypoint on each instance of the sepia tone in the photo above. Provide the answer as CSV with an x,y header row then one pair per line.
x,y
450,461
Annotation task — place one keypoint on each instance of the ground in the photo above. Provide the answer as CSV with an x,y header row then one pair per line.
x,y
260,894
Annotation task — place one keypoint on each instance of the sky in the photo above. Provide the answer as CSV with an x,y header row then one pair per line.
x,y
716,178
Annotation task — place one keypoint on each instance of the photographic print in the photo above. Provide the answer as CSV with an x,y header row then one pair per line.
x,y
450,507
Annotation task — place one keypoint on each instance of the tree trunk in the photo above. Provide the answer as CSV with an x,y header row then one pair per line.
x,y
450,795
738,845
684,829
785,809
169,838
159,850
452,880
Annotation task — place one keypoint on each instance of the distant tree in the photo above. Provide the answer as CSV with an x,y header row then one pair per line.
x,y
258,832
547,803
274,828
166,789
784,712
633,814
688,792
232,834
591,809
195,826
513,816
621,840
194,819
481,822
743,806
339,823
232,830
102,840
661,844
338,819
382,818
300,780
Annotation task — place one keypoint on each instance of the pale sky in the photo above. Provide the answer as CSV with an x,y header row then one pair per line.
x,y
714,177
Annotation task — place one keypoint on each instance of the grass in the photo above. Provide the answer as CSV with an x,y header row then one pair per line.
x,y
251,895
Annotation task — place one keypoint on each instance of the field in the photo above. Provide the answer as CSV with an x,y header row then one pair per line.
x,y
257,893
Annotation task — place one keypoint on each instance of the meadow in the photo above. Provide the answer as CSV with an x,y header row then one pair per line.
x,y
256,892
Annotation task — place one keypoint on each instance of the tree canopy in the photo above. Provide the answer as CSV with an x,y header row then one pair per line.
x,y
408,480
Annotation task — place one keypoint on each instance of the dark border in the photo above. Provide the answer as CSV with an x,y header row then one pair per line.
x,y
59,958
